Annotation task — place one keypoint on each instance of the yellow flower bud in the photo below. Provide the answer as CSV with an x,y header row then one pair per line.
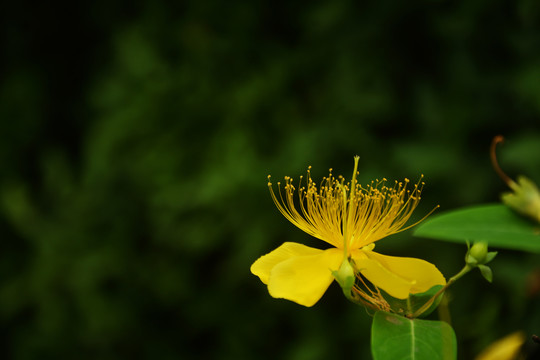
x,y
525,196
525,199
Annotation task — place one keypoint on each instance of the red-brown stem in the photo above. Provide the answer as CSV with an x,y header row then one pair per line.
x,y
498,139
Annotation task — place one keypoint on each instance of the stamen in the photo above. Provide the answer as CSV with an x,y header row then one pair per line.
x,y
347,215
498,139
351,208
374,300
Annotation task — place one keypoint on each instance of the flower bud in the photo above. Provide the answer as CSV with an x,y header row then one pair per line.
x,y
478,256
345,277
478,252
525,198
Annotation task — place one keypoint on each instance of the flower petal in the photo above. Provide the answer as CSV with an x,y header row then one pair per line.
x,y
263,265
423,274
399,276
304,279
381,277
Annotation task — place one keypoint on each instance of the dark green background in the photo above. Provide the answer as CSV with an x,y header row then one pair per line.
x,y
136,138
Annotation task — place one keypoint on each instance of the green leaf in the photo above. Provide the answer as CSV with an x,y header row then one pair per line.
x,y
414,302
494,223
396,337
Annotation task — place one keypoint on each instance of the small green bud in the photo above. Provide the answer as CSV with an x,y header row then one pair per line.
x,y
345,276
477,253
478,256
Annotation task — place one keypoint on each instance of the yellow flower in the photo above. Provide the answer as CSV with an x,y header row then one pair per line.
x,y
507,348
350,218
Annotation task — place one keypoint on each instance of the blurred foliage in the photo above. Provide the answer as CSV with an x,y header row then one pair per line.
x,y
137,137
495,224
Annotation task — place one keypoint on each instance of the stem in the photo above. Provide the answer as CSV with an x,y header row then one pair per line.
x,y
453,279
444,311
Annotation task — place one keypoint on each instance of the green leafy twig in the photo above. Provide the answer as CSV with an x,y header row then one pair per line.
x,y
477,257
